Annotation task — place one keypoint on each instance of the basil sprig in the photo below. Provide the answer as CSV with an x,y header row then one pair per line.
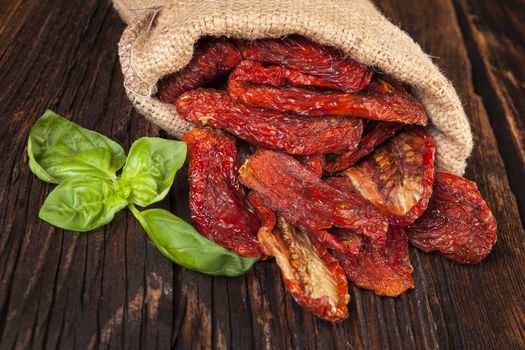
x,y
84,164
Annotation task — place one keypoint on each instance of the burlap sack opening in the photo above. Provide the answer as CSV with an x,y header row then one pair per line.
x,y
161,35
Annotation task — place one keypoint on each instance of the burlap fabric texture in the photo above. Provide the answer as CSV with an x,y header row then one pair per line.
x,y
161,34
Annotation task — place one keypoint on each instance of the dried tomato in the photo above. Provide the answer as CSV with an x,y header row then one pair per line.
x,y
215,60
310,273
385,270
217,201
313,163
308,57
379,101
292,134
266,215
457,223
254,72
397,177
307,202
352,242
374,134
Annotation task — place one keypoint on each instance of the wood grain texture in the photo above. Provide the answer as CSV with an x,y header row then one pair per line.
x,y
495,36
112,289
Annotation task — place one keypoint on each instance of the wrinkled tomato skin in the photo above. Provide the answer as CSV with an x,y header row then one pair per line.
x,y
375,133
313,163
308,57
379,101
304,200
385,270
217,201
255,73
457,223
218,58
397,177
291,134
266,215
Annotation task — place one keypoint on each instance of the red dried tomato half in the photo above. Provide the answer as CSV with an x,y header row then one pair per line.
x,y
379,101
254,72
457,223
292,134
310,273
309,57
384,270
214,60
217,201
397,177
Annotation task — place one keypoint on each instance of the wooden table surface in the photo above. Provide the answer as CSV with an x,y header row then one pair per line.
x,y
112,289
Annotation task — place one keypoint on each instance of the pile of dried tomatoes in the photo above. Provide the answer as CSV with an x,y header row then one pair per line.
x,y
339,174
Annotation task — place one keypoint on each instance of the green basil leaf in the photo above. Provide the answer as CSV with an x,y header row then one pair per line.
x,y
84,203
59,149
151,167
181,243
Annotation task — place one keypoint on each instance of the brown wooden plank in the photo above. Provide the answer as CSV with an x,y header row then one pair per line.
x,y
495,37
63,289
111,288
470,296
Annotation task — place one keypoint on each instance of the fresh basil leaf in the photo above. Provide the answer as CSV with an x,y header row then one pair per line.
x,y
84,203
181,243
59,149
151,167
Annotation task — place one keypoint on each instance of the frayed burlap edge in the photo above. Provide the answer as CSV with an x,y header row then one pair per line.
x,y
449,124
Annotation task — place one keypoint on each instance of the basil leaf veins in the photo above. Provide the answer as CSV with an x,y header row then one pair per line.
x,y
83,203
151,167
85,164
182,244
59,149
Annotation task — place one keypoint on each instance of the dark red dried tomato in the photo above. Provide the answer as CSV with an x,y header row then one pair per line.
x,y
254,72
345,185
457,223
307,202
216,59
310,273
313,163
266,215
384,270
351,241
379,101
217,202
292,134
397,177
308,57
374,134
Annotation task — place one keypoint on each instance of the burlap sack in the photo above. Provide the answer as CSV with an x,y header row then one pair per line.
x,y
161,35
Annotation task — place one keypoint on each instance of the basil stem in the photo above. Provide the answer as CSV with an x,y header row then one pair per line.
x,y
85,164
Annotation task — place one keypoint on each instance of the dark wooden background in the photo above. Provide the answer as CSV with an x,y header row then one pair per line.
x,y
112,289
